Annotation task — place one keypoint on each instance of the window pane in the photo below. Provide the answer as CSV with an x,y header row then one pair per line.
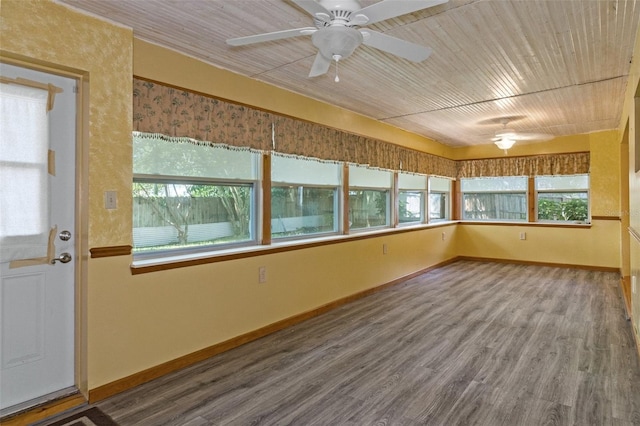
x,y
411,206
169,216
563,206
499,198
439,196
304,171
494,206
562,182
438,206
299,210
512,183
154,155
563,198
24,177
369,178
368,208
24,205
439,184
411,181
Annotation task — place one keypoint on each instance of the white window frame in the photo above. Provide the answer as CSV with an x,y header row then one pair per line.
x,y
524,192
254,237
587,191
159,170
337,211
447,201
417,183
304,179
377,187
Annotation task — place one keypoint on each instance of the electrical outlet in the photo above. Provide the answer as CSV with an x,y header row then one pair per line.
x,y
444,236
110,200
523,235
384,249
262,274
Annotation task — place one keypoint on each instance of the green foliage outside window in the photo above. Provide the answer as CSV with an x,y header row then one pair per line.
x,y
575,209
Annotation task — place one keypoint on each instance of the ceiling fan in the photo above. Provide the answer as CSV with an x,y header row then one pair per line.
x,y
505,138
336,33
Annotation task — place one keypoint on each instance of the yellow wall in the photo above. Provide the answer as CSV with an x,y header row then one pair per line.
x,y
137,322
631,117
605,173
597,246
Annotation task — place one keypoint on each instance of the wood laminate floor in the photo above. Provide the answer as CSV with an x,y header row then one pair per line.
x,y
469,343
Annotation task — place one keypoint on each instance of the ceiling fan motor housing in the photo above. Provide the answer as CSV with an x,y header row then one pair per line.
x,y
506,133
340,5
340,14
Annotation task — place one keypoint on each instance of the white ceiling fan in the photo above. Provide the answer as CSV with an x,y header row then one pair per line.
x,y
505,138
336,33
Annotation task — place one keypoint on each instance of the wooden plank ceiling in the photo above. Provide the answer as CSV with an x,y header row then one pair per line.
x,y
558,67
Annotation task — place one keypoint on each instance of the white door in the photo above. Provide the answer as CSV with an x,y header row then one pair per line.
x,y
37,300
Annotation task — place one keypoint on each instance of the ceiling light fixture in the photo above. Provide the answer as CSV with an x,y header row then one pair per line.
x,y
505,143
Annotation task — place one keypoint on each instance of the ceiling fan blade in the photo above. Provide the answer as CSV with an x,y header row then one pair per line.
x,y
277,35
532,136
388,9
395,46
506,133
312,7
320,65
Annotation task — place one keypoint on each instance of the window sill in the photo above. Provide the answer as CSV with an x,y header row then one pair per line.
x,y
533,224
142,266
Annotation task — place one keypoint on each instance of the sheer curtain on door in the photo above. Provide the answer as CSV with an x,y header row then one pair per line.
x,y
24,160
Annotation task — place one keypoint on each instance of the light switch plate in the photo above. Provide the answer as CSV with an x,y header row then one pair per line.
x,y
110,200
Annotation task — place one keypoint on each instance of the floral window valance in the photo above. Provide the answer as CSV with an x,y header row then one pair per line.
x,y
553,164
178,113
165,110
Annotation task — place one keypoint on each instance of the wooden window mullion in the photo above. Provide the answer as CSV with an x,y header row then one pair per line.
x,y
531,199
266,199
345,199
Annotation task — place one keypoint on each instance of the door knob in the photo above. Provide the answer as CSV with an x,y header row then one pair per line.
x,y
63,258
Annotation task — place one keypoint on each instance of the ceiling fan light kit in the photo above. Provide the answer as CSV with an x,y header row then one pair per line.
x,y
340,41
336,34
505,138
505,143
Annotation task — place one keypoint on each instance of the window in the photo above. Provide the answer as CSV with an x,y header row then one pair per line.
x,y
369,197
563,198
24,196
411,198
304,196
501,198
188,195
191,196
439,198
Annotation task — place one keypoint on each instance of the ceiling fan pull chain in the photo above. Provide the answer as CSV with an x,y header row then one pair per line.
x,y
337,59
